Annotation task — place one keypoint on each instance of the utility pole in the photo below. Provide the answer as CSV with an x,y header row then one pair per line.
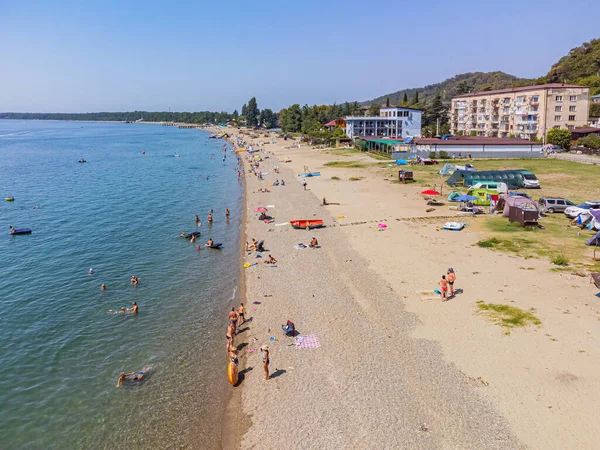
x,y
437,130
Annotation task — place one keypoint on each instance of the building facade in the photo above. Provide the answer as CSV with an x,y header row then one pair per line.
x,y
525,112
392,122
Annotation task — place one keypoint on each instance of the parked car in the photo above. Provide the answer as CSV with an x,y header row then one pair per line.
x,y
554,204
529,179
574,211
466,167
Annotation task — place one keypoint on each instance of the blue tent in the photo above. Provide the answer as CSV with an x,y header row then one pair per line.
x,y
464,198
401,162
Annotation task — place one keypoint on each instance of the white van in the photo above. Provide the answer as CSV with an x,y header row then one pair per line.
x,y
497,186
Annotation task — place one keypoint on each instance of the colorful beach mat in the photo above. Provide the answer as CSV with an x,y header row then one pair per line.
x,y
308,341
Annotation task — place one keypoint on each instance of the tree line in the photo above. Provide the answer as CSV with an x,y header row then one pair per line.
x,y
200,117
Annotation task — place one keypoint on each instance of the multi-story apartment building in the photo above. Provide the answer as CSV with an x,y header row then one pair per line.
x,y
392,122
524,112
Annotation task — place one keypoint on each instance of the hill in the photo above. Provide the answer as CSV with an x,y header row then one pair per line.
x,y
581,66
459,84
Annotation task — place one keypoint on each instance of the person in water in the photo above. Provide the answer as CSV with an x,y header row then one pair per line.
x,y
91,271
102,287
133,376
134,308
209,218
210,243
134,280
197,218
227,213
193,239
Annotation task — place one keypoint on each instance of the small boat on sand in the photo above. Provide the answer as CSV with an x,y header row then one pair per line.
x,y
309,174
307,224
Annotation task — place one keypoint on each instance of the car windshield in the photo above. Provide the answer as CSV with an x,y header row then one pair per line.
x,y
529,177
584,206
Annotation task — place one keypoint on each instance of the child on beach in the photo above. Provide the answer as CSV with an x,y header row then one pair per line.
x,y
241,311
444,285
451,280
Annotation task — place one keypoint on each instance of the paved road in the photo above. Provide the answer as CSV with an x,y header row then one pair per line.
x,y
584,159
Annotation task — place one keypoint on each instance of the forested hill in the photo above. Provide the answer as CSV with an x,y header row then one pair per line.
x,y
581,66
459,84
148,116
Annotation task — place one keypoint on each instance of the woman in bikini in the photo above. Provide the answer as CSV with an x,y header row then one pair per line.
x,y
444,285
451,280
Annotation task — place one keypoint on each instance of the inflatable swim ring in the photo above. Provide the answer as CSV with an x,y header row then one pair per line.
x,y
232,373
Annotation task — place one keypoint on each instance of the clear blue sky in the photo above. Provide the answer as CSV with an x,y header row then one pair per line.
x,y
78,56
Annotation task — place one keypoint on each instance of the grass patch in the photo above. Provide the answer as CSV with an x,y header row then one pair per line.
x,y
560,260
488,243
355,178
355,151
335,178
508,316
346,164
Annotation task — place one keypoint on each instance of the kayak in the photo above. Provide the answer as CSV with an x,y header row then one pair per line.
x,y
306,224
21,231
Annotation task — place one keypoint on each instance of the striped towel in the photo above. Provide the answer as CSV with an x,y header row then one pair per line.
x,y
308,341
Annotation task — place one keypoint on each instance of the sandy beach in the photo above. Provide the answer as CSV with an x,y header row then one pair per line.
x,y
393,370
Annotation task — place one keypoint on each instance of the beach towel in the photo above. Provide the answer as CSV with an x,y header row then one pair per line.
x,y
428,295
308,341
281,224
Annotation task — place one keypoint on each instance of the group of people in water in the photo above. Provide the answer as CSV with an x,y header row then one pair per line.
x,y
209,219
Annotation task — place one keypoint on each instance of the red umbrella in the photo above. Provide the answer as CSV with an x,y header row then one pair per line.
x,y
260,209
430,192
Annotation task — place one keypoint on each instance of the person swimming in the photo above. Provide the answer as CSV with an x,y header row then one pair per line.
x,y
134,280
210,243
91,271
103,287
132,376
134,308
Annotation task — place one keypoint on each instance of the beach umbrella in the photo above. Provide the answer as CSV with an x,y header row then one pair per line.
x,y
260,209
464,198
430,192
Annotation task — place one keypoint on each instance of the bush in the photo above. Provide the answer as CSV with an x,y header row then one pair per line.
x,y
560,260
335,178
560,137
432,155
590,141
444,155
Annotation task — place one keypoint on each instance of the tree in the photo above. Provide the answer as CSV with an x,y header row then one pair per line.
x,y
560,137
244,108
405,99
356,109
435,110
267,118
235,115
462,87
338,133
252,113
387,102
594,109
416,102
373,110
311,126
293,119
590,141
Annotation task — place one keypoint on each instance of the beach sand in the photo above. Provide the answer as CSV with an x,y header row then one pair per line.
x,y
394,370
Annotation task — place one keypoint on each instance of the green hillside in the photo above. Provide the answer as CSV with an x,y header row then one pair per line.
x,y
459,84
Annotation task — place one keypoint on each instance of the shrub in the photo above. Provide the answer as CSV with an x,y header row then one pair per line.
x,y
590,141
560,260
444,155
432,155
335,178
355,178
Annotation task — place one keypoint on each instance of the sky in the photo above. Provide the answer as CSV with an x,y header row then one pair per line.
x,y
90,56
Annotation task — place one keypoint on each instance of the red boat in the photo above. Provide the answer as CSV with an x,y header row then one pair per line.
x,y
306,224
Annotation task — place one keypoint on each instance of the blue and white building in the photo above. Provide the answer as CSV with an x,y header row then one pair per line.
x,y
392,122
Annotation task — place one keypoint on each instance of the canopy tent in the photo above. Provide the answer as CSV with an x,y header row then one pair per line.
x,y
447,169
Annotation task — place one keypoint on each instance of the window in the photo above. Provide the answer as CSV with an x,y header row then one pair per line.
x,y
556,118
571,118
520,99
559,98
507,101
558,108
571,127
560,202
573,98
572,108
535,99
556,126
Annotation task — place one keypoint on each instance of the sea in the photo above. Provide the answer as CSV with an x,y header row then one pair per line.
x,y
120,213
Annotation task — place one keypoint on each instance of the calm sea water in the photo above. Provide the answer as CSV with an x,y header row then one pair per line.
x,y
121,214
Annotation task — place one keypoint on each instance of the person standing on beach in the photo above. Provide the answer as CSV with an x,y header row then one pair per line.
x,y
265,357
233,318
451,280
304,183
241,313
444,285
230,334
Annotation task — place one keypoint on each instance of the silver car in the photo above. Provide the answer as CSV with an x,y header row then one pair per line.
x,y
554,204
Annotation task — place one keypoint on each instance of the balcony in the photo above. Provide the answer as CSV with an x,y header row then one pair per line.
x,y
534,102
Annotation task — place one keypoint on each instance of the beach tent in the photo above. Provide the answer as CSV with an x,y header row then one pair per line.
x,y
401,162
595,240
447,169
452,195
517,201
